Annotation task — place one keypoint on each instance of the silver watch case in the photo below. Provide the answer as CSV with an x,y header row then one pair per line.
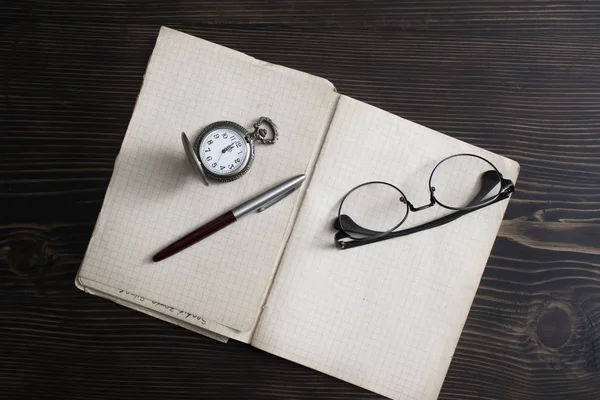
x,y
193,152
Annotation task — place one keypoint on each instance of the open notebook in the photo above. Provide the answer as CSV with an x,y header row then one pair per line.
x,y
386,316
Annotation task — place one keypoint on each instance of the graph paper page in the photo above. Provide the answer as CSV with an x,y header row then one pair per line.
x,y
385,316
155,197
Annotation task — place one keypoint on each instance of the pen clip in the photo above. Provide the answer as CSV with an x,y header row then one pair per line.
x,y
277,199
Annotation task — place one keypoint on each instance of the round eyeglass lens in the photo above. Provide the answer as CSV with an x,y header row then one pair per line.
x,y
371,210
465,181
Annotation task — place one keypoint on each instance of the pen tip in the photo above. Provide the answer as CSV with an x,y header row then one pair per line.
x,y
157,257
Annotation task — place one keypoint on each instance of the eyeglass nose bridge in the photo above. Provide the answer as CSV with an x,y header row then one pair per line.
x,y
423,207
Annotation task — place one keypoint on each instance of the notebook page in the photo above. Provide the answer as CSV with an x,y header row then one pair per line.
x,y
386,316
152,308
163,311
155,197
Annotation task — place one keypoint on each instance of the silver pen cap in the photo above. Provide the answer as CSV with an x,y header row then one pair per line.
x,y
269,197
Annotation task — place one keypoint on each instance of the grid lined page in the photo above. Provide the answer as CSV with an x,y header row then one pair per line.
x,y
155,196
157,310
386,316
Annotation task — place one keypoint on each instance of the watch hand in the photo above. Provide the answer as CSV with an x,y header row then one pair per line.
x,y
227,148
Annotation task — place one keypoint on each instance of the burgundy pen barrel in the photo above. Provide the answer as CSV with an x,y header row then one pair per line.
x,y
194,237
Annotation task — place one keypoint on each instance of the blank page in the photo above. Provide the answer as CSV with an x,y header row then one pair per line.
x,y
385,316
155,197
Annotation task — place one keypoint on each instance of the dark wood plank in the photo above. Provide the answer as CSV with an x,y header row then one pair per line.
x,y
507,16
518,78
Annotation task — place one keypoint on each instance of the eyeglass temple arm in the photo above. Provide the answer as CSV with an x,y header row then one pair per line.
x,y
340,244
506,189
352,227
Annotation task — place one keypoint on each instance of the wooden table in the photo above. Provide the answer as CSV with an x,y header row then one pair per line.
x,y
519,78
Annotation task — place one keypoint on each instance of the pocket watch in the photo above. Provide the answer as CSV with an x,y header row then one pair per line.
x,y
224,150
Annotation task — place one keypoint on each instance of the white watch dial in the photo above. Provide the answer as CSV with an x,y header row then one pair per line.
x,y
223,151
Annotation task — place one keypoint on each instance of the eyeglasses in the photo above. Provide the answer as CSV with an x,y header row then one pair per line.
x,y
373,211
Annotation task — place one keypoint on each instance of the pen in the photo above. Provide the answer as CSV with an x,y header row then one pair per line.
x,y
259,203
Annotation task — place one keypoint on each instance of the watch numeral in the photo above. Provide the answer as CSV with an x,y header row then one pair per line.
x,y
231,166
233,138
224,136
238,144
209,142
237,160
222,167
208,158
216,136
214,165
207,150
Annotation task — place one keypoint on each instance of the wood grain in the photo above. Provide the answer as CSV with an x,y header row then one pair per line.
x,y
519,78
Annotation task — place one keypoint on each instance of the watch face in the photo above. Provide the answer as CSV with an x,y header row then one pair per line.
x,y
223,151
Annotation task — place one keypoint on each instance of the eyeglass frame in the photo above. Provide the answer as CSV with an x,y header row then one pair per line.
x,y
506,188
